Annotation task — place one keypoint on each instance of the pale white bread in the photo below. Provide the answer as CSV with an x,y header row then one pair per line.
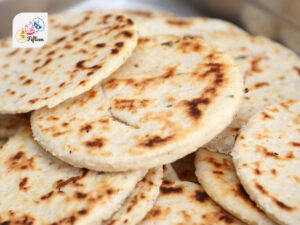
x,y
169,172
271,74
140,201
158,24
171,96
185,168
36,188
82,49
9,124
216,174
182,202
267,159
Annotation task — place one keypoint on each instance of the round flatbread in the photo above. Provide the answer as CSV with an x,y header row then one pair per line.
x,y
217,176
140,201
271,74
82,49
39,189
267,159
185,168
9,124
182,202
169,172
171,96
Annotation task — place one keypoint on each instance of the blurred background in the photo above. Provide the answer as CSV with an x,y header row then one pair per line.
x,y
276,19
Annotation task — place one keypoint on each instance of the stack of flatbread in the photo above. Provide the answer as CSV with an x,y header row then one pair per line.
x,y
143,117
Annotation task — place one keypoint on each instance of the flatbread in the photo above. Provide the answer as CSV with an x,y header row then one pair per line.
x,y
182,202
140,201
162,25
82,49
171,96
217,176
9,124
36,188
169,172
267,158
271,74
185,168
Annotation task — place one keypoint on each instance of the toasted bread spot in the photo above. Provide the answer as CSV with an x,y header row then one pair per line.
x,y
52,52
141,13
261,188
20,220
57,134
47,196
282,205
47,89
194,111
188,47
80,65
60,40
133,202
266,116
114,51
74,181
62,84
255,64
45,64
257,171
131,105
20,162
13,53
261,84
82,212
22,184
274,171
28,51
266,152
167,182
54,118
119,44
100,45
290,155
32,101
171,190
127,34
156,140
226,219
96,143
90,73
179,22
218,172
201,196
80,195
27,82
86,128
297,69
295,144
143,40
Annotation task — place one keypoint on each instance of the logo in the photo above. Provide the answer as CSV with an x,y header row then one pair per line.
x,y
30,30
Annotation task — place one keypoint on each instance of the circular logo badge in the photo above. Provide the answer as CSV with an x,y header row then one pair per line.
x,y
39,24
